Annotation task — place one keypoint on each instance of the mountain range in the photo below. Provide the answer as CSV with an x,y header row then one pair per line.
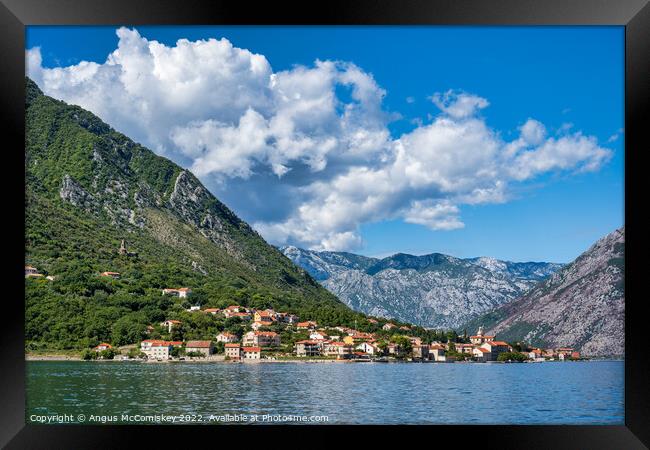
x,y
435,291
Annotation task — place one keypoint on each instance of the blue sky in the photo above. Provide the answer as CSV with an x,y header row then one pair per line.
x,y
555,75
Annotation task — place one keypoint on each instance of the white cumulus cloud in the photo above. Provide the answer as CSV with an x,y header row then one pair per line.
x,y
305,154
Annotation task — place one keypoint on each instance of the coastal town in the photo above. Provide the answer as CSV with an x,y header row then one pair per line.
x,y
257,335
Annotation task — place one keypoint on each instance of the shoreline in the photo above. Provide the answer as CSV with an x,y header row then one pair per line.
x,y
59,357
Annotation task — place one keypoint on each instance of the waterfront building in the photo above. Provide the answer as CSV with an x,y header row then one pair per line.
x,y
496,348
341,350
204,347
308,348
481,354
368,348
232,351
156,349
420,352
437,353
251,352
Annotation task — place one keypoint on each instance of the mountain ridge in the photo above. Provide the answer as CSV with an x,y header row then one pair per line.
x,y
580,306
415,288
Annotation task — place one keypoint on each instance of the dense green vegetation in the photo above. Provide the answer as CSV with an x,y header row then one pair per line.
x,y
512,356
76,241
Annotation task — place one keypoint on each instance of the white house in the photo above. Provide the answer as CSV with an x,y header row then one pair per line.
x,y
482,354
233,351
180,292
251,353
156,349
226,337
437,353
170,324
318,335
368,348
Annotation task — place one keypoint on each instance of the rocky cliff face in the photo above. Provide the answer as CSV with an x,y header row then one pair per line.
x,y
437,291
581,306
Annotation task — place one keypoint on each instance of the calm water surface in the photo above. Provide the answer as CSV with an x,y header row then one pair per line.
x,y
351,393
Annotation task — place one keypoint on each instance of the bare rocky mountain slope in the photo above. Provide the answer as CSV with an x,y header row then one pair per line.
x,y
581,306
436,290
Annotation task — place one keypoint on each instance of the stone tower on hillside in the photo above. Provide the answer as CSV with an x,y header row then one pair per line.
x,y
122,250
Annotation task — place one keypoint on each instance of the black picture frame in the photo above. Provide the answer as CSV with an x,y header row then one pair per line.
x,y
633,14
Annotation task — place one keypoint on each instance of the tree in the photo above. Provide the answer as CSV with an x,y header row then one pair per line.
x,y
135,353
219,348
89,355
512,356
177,352
404,344
109,353
127,330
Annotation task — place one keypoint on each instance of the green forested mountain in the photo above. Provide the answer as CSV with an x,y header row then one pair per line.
x,y
87,188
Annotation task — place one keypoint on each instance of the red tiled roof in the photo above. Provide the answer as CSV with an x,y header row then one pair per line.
x,y
251,349
232,345
265,333
161,344
153,341
483,350
307,341
499,343
198,344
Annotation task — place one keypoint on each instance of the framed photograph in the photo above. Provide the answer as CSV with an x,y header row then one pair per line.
x,y
409,215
